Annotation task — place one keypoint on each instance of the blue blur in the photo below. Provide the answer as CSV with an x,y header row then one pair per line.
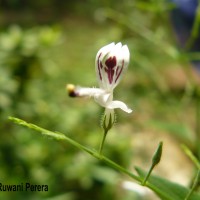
x,y
182,17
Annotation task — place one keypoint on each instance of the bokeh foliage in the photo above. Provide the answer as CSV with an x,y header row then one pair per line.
x,y
46,44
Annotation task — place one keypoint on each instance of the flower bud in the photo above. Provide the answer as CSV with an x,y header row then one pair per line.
x,y
108,120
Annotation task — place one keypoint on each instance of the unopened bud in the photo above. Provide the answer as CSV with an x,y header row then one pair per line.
x,y
155,160
108,120
157,155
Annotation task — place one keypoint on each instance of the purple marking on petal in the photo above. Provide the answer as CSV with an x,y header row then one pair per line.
x,y
110,64
118,73
117,70
110,73
99,66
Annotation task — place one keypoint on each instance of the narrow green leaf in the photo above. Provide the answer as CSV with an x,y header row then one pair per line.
x,y
165,189
189,153
194,186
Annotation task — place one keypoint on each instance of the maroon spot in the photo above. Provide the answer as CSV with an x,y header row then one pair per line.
x,y
73,94
111,62
99,66
119,72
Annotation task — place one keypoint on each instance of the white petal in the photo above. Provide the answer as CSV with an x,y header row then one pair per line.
x,y
101,55
103,99
118,104
123,58
125,54
116,50
104,51
111,63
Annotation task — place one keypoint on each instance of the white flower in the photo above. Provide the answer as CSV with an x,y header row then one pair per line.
x,y
111,62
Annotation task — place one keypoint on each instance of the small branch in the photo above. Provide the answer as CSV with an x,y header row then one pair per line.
x,y
61,136
189,153
198,121
194,186
195,29
102,142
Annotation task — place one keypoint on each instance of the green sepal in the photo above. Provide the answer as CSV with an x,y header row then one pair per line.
x,y
110,123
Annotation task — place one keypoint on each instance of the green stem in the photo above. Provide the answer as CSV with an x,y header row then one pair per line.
x,y
192,157
121,169
195,28
60,136
198,123
195,184
147,176
102,142
95,154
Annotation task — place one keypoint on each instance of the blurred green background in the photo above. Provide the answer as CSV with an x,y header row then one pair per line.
x,y
46,44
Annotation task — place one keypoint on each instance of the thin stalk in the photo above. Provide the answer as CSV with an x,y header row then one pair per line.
x,y
102,142
198,124
147,176
195,29
60,136
192,157
194,186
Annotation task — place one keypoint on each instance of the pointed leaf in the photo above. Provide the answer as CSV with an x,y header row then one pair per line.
x,y
166,189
